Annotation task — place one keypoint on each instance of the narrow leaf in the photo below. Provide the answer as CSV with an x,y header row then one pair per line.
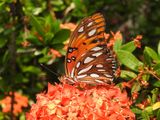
x,y
127,74
37,25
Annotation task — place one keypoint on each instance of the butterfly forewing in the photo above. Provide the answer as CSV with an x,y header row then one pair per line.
x,y
88,59
87,35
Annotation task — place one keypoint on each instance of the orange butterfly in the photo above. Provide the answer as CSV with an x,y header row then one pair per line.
x,y
88,59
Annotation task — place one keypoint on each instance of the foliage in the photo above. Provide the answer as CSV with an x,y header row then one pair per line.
x,y
31,34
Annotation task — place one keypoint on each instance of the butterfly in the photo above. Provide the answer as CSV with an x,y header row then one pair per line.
x,y
88,59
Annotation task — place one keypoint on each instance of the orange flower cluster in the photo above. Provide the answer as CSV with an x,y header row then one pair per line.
x,y
67,102
70,26
25,43
19,102
114,37
54,53
137,41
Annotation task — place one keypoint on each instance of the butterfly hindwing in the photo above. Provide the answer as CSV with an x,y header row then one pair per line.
x,y
97,66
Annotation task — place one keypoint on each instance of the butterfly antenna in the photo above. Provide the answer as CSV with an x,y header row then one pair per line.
x,y
45,67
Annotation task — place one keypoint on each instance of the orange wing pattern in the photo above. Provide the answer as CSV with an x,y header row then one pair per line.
x,y
88,59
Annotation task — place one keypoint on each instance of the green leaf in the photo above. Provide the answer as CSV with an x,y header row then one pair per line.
x,y
130,46
157,68
158,115
145,115
129,60
52,25
3,42
37,25
156,84
159,48
44,59
5,57
152,54
31,69
137,110
146,77
136,87
61,36
48,38
34,40
155,93
127,74
117,45
147,59
58,46
55,27
37,10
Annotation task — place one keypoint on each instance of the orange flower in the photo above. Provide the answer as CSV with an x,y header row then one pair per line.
x,y
54,53
106,36
137,41
40,38
135,95
25,43
70,26
19,102
115,36
67,102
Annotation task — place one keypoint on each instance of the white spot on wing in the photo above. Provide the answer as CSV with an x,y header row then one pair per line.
x,y
68,60
81,29
108,76
97,54
78,64
101,70
99,65
89,24
94,75
96,48
109,59
113,61
72,73
99,81
85,69
92,32
113,67
81,76
88,59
